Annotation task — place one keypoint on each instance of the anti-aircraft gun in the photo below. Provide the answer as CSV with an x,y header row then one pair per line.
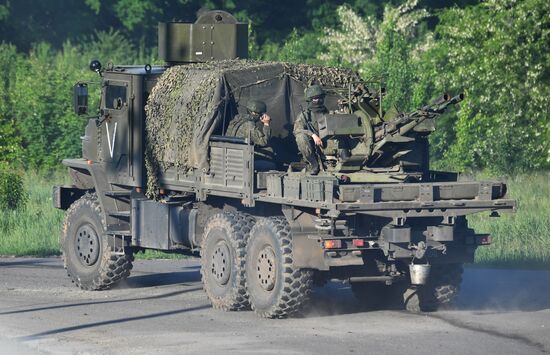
x,y
158,171
359,138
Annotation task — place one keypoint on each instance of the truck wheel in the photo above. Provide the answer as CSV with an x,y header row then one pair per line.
x,y
440,291
222,260
86,253
276,288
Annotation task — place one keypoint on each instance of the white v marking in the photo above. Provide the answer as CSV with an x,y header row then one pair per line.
x,y
111,146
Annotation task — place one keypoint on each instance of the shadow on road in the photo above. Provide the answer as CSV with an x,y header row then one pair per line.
x,y
333,299
112,321
482,290
47,263
79,304
160,279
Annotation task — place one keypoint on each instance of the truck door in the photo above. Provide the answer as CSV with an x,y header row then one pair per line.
x,y
114,129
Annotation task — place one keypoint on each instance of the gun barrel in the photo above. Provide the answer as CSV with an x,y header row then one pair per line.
x,y
442,99
456,99
405,123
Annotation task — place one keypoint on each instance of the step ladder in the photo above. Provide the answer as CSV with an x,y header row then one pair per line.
x,y
119,233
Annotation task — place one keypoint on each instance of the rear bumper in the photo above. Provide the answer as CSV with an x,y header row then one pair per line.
x,y
401,209
428,208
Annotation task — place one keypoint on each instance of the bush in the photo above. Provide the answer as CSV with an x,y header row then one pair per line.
x,y
12,192
10,141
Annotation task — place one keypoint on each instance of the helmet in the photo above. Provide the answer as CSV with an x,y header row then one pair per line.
x,y
256,106
314,90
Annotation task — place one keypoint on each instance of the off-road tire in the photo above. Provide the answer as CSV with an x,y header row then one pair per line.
x,y
288,291
104,268
229,231
440,291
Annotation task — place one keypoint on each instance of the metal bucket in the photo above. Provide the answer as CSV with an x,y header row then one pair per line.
x,y
419,273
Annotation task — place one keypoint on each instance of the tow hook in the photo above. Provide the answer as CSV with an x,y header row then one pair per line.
x,y
419,249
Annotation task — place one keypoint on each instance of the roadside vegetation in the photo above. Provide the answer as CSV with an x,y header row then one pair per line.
x,y
35,228
522,238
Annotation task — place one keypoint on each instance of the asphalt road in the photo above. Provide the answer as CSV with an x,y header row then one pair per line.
x,y
161,309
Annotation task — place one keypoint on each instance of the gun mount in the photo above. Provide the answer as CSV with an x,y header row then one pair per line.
x,y
358,137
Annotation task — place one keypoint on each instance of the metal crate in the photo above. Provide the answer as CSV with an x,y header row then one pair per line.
x,y
274,183
292,187
318,188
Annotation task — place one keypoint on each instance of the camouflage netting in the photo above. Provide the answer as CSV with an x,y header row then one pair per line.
x,y
191,102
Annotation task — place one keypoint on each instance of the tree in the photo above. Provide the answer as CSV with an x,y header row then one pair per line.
x,y
9,137
498,54
381,50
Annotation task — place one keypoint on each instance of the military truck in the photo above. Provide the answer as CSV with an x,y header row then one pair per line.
x,y
158,172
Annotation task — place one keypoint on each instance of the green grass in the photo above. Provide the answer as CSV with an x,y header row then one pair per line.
x,y
157,254
34,230
520,239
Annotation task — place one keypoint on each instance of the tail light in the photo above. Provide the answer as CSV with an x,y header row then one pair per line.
x,y
332,244
358,243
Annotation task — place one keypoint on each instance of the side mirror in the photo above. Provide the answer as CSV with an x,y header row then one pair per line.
x,y
81,99
95,66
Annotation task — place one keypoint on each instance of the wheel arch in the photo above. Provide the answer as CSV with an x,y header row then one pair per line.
x,y
63,196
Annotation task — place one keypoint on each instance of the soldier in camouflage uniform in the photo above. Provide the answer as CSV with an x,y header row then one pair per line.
x,y
306,127
254,125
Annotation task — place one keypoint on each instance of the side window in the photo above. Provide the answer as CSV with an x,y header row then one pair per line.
x,y
115,97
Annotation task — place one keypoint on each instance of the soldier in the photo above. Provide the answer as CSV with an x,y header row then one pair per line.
x,y
255,126
306,127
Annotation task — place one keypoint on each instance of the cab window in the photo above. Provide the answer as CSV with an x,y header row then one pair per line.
x,y
115,97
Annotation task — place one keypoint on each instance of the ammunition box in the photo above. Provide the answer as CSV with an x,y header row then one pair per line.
x,y
318,188
274,184
292,187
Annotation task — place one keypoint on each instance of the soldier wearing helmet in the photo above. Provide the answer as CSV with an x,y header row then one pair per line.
x,y
306,127
254,125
